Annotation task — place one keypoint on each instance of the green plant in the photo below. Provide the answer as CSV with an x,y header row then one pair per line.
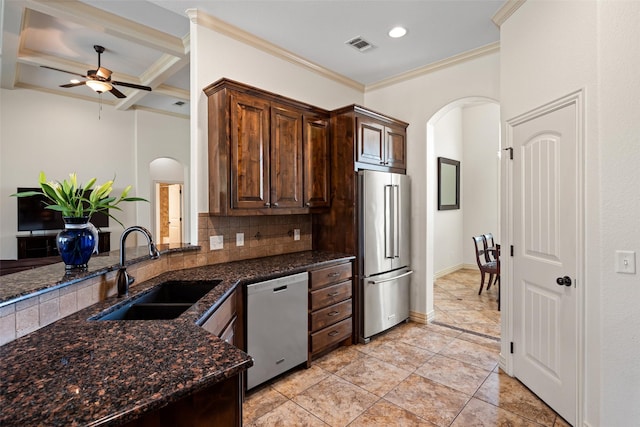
x,y
76,200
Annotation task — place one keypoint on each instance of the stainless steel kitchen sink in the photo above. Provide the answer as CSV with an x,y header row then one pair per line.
x,y
167,300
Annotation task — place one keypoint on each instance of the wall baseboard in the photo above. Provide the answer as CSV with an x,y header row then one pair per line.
x,y
418,317
453,269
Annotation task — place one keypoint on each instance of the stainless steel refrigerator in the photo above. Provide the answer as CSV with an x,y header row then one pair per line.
x,y
385,238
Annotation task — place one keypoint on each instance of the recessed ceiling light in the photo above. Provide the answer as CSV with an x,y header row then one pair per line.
x,y
397,32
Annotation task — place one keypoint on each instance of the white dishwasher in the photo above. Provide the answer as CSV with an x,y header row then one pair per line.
x,y
276,326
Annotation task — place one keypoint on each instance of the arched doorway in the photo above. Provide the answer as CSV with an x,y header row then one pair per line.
x,y
466,130
168,195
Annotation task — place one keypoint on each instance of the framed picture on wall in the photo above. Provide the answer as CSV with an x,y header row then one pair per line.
x,y
448,184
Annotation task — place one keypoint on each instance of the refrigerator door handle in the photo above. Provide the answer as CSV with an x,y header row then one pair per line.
x,y
389,222
396,221
375,282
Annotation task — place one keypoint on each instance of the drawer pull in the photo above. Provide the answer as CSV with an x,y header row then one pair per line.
x,y
333,333
333,313
333,294
334,274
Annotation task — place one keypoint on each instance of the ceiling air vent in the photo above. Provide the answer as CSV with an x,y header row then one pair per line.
x,y
179,103
359,43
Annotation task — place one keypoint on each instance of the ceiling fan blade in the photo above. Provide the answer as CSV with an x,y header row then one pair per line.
x,y
73,84
64,71
131,85
117,93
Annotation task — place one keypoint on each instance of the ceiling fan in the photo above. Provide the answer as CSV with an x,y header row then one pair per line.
x,y
100,79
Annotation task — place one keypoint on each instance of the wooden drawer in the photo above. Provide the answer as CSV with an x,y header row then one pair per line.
x,y
331,335
222,316
330,295
229,333
332,314
329,275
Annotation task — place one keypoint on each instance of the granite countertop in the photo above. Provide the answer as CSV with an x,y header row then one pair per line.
x,y
83,372
27,283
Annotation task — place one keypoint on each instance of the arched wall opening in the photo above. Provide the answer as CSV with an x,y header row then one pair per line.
x,y
467,130
169,189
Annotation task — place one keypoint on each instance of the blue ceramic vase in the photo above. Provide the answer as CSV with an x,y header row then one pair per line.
x,y
76,243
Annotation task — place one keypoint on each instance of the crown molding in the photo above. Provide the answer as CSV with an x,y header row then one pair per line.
x,y
506,10
448,62
222,27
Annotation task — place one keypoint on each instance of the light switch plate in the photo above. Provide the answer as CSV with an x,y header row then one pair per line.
x,y
626,262
216,242
296,234
239,239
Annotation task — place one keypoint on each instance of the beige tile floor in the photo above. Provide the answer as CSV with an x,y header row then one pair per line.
x,y
412,375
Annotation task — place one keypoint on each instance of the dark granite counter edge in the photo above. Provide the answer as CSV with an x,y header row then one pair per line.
x,y
79,276
216,360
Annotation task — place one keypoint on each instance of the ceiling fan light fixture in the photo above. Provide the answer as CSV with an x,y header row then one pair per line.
x,y
397,32
99,86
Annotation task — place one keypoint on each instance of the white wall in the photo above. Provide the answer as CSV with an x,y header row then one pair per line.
x,y
550,49
161,136
618,143
480,171
448,224
416,101
59,135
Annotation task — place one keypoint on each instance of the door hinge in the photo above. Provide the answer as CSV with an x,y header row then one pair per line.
x,y
510,150
511,347
511,250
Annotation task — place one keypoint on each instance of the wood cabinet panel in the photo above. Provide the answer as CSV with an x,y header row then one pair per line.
x,y
331,335
330,295
223,316
286,158
328,275
316,162
371,137
249,152
330,315
396,147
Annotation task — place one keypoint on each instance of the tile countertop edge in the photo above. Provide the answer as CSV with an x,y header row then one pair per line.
x,y
48,285
82,372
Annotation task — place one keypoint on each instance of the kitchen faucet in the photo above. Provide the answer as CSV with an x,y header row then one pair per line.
x,y
123,280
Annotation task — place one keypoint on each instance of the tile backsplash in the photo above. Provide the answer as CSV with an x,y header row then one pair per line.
x,y
263,236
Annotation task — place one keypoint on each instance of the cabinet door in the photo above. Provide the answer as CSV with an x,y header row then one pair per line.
x,y
286,158
249,142
371,138
395,147
315,153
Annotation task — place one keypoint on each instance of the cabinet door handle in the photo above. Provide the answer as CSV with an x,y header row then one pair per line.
x,y
333,294
307,204
275,205
335,274
333,313
333,333
267,204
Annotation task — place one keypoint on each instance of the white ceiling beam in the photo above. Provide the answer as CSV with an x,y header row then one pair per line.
x,y
12,26
155,75
109,23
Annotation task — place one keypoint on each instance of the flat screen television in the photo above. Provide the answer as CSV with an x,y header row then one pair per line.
x,y
32,215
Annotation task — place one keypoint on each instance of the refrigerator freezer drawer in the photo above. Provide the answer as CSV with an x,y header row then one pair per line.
x,y
386,301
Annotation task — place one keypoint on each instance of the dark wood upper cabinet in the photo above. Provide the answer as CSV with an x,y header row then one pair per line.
x,y
267,154
249,143
380,141
316,156
286,157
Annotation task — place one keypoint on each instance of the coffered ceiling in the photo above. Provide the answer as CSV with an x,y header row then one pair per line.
x,y
147,42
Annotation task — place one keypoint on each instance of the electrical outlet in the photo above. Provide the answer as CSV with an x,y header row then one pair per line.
x,y
216,242
296,234
239,239
626,262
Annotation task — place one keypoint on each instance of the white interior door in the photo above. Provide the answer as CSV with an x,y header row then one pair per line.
x,y
546,248
175,213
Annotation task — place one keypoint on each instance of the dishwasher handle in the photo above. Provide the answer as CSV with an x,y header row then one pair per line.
x,y
280,289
